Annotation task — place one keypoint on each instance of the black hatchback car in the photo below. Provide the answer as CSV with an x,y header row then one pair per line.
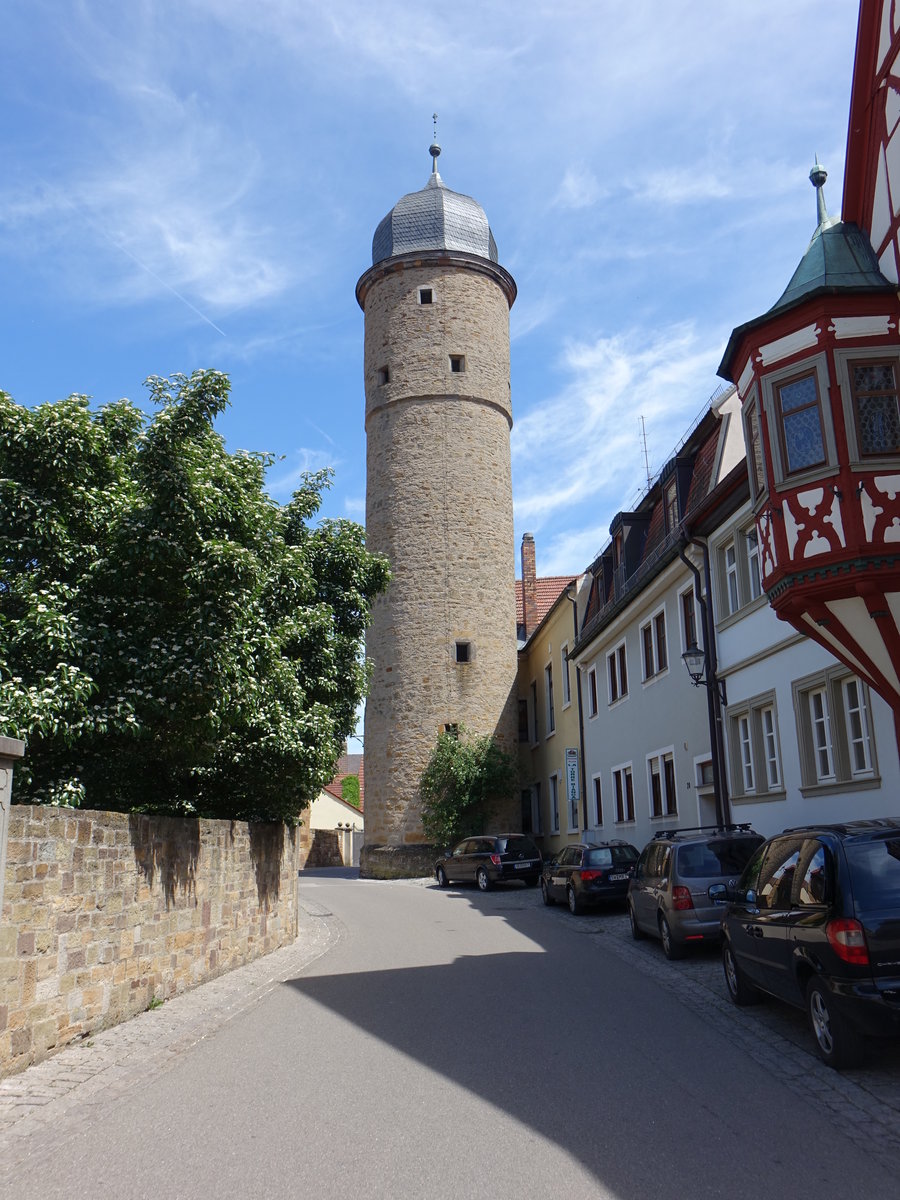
x,y
589,873
490,859
815,921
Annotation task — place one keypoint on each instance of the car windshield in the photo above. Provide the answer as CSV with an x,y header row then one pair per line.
x,y
519,846
606,856
708,859
875,871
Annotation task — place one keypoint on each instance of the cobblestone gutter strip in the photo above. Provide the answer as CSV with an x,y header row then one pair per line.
x,y
864,1101
111,1062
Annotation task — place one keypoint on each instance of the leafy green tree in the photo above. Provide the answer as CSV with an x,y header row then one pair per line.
x,y
350,790
465,778
171,639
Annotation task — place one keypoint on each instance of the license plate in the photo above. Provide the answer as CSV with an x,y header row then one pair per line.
x,y
524,866
618,878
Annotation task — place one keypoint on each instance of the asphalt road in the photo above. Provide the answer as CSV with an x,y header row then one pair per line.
x,y
460,1044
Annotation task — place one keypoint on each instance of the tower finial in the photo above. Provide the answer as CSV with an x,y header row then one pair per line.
x,y
434,149
817,177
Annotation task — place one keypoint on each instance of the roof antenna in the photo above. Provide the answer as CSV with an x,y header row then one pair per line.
x,y
434,149
646,456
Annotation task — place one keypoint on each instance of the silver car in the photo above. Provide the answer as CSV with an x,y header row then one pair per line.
x,y
668,895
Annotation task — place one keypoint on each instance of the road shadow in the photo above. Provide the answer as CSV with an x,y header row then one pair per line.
x,y
578,1048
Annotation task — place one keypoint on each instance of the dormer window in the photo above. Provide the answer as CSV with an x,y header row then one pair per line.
x,y
671,503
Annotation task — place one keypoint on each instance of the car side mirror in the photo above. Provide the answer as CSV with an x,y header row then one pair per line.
x,y
718,893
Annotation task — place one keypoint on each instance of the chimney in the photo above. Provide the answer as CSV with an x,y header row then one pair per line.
x,y
529,584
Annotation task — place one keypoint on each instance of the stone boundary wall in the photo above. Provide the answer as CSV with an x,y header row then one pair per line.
x,y
105,912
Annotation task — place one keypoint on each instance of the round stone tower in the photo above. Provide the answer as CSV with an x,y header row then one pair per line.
x,y
442,640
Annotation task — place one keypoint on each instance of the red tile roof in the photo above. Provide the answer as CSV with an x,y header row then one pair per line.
x,y
348,764
548,589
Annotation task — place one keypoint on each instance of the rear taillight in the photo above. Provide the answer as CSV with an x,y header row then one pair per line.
x,y
495,859
587,876
681,898
848,940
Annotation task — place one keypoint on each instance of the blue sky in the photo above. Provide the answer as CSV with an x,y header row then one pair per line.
x,y
195,183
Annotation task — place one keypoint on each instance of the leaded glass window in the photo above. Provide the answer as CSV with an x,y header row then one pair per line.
x,y
803,438
875,407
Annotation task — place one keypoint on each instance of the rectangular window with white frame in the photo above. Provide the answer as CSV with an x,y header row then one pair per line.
x,y
857,725
661,783
754,575
689,626
592,692
739,570
732,593
754,748
653,645
548,686
834,730
566,676
554,804
617,674
623,793
597,801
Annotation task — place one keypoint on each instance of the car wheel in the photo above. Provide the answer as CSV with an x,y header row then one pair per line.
x,y
441,876
671,948
545,894
483,880
740,992
636,932
573,901
838,1044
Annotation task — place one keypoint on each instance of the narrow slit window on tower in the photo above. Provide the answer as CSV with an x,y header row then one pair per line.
x,y
457,364
384,376
426,295
463,652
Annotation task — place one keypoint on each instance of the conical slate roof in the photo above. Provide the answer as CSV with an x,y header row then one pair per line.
x,y
435,218
839,258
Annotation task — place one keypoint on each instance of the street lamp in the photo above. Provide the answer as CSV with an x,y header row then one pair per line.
x,y
696,662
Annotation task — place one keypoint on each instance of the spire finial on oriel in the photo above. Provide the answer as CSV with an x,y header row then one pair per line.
x,y
817,177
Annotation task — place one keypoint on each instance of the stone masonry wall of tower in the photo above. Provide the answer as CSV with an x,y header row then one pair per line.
x,y
439,505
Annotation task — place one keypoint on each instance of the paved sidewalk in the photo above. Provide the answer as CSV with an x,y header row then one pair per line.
x,y
109,1063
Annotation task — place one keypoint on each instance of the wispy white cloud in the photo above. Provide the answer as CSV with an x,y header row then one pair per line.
x,y
285,476
584,444
355,507
579,189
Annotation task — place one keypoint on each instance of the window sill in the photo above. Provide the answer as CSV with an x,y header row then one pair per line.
x,y
758,797
811,790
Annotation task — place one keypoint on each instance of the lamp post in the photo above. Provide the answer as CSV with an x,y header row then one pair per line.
x,y
696,662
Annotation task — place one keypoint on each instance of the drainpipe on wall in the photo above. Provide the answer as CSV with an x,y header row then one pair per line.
x,y
713,700
573,600
11,750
